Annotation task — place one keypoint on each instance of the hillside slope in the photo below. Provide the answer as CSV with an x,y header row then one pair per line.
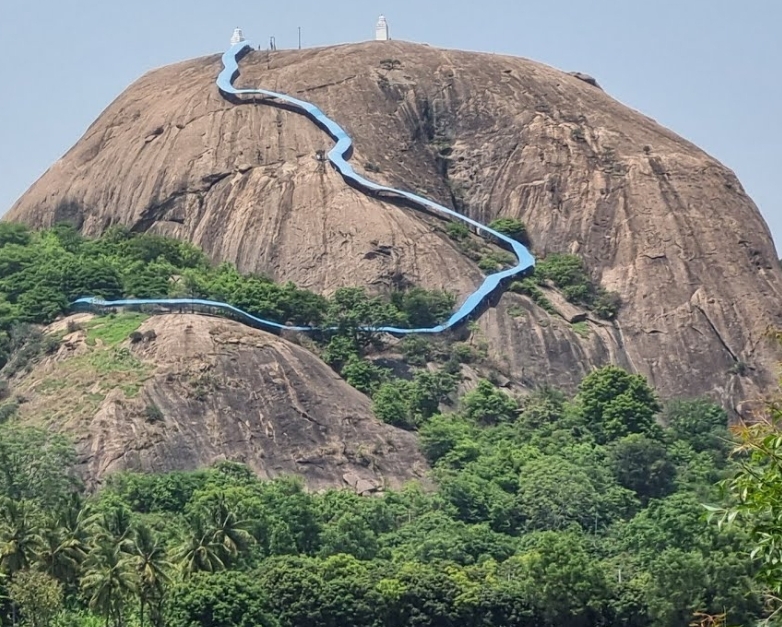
x,y
655,218
198,390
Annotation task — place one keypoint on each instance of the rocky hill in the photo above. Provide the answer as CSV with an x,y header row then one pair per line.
x,y
193,390
653,217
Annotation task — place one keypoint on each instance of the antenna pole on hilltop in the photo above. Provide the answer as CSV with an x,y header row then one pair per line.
x,y
299,37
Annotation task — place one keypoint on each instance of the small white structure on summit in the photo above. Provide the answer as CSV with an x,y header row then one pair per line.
x,y
237,37
381,30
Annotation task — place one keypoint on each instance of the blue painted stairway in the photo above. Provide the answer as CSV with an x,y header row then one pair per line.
x,y
337,156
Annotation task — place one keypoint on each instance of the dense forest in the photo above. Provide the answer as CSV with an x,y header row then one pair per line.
x,y
546,510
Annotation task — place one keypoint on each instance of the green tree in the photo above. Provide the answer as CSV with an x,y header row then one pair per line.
x,y
18,265
142,279
169,492
392,404
457,231
20,538
487,405
700,423
226,599
568,273
409,404
641,464
38,596
114,528
442,434
152,568
295,590
349,534
615,403
199,552
216,537
41,304
108,582
62,549
67,237
512,227
13,233
353,314
417,350
554,493
362,374
36,465
752,497
294,515
428,597
229,532
561,580
92,277
475,499
429,390
675,522
676,587
424,308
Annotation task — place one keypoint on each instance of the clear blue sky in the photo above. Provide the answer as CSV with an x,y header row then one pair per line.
x,y
711,70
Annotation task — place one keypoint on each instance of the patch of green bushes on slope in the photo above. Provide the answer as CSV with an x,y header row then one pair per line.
x,y
512,227
565,271
568,273
488,259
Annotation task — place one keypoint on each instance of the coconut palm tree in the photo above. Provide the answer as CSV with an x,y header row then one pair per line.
x,y
78,519
216,536
199,552
20,536
108,581
61,552
152,571
115,527
229,533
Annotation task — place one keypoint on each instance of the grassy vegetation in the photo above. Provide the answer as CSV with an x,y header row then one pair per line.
x,y
8,410
51,386
528,286
88,377
496,260
113,360
581,329
516,312
112,329
457,231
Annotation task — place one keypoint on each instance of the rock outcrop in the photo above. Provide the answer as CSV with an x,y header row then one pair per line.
x,y
199,390
653,216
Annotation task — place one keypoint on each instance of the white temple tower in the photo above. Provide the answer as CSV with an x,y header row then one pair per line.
x,y
237,37
381,30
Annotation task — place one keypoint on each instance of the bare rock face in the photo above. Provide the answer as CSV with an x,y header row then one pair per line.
x,y
654,217
199,390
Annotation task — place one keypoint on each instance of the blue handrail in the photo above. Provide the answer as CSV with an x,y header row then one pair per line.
x,y
337,157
